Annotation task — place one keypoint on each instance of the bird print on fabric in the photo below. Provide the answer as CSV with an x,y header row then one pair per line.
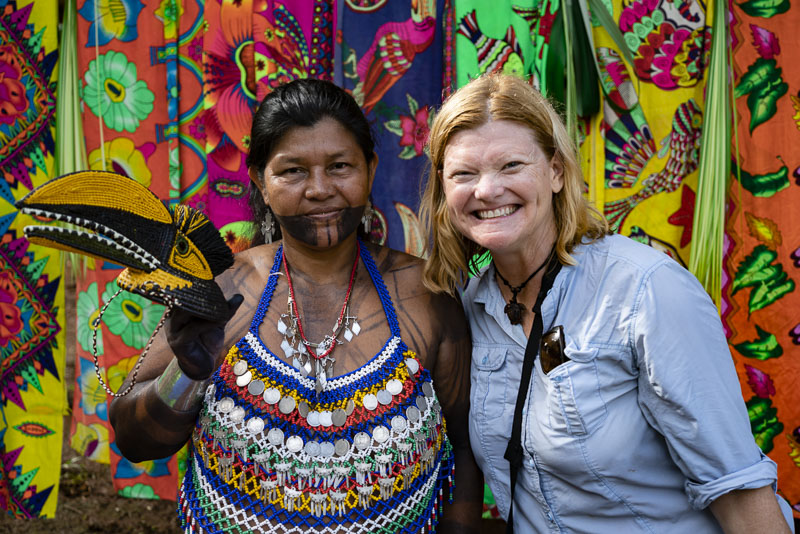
x,y
285,48
493,54
683,145
392,52
629,143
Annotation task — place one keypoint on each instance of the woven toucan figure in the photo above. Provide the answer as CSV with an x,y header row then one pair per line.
x,y
171,255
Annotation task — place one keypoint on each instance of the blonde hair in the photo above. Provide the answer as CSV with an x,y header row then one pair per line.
x,y
500,97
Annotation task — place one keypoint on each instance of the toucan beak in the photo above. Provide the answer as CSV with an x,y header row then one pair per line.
x,y
114,218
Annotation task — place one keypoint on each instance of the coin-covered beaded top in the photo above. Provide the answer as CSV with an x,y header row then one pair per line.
x,y
367,454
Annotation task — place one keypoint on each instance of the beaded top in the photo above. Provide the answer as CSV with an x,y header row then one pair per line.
x,y
369,454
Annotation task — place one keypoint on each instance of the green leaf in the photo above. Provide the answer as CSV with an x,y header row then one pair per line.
x,y
765,185
764,422
763,348
765,8
754,263
762,102
759,74
412,104
769,292
408,153
394,127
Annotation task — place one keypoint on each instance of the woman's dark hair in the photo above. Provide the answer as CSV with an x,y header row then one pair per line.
x,y
303,103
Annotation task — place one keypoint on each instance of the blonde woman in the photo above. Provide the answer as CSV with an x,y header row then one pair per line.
x,y
603,395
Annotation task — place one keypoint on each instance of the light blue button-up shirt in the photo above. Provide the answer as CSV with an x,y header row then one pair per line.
x,y
642,428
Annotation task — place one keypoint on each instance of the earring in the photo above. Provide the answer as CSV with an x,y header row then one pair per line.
x,y
268,226
366,218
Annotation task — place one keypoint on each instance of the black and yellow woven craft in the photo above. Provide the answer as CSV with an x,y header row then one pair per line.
x,y
171,255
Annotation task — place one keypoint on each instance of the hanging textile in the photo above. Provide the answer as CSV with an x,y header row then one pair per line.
x,y
32,354
642,152
760,300
390,59
133,62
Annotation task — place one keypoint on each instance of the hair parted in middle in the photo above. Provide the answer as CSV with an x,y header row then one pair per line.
x,y
300,103
495,97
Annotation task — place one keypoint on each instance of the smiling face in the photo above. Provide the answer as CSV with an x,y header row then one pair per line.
x,y
317,182
499,187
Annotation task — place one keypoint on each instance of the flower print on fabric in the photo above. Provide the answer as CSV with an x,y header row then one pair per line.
x,y
93,396
114,93
670,45
91,441
88,309
123,157
10,315
413,128
118,372
130,316
229,83
128,469
111,19
169,12
13,98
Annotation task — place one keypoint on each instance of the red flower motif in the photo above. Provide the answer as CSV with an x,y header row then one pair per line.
x,y
10,322
415,131
13,101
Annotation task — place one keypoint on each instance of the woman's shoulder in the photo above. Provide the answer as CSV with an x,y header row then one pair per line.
x,y
393,261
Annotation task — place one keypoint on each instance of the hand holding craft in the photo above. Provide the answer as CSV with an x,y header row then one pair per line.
x,y
197,342
171,255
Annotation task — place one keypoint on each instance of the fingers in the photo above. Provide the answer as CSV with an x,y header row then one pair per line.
x,y
197,342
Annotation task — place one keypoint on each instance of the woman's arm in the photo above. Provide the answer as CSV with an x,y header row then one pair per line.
x,y
751,510
451,380
157,417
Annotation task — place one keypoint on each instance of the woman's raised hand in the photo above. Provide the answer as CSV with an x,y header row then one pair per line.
x,y
196,342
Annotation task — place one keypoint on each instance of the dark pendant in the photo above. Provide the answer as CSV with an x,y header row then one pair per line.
x,y
514,311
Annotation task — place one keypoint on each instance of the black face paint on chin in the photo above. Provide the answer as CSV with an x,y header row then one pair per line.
x,y
321,233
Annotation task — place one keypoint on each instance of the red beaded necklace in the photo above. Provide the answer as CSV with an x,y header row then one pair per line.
x,y
330,339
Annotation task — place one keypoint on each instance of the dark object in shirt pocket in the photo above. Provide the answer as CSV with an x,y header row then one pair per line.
x,y
551,349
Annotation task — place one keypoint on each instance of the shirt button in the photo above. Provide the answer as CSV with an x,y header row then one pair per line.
x,y
550,517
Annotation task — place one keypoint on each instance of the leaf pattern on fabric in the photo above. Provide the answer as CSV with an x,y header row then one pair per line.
x,y
765,230
765,42
765,8
769,282
763,422
763,185
764,86
766,346
760,382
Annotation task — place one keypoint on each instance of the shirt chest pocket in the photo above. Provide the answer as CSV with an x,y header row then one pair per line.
x,y
489,382
571,395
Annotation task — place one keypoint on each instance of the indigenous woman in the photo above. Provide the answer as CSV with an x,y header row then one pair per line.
x,y
335,398
603,397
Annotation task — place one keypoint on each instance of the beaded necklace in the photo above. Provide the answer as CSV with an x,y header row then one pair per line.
x,y
300,349
272,454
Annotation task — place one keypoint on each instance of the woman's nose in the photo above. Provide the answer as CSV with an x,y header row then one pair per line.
x,y
488,186
320,185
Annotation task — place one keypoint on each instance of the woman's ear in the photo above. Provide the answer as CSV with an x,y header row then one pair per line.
x,y
557,174
259,183
371,168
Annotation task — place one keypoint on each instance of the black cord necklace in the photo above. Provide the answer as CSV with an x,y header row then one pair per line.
x,y
513,308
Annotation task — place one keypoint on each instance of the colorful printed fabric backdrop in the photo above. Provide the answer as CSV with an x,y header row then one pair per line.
x,y
168,91
760,305
390,58
144,115
32,391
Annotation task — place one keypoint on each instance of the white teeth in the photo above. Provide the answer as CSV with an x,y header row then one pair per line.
x,y
499,212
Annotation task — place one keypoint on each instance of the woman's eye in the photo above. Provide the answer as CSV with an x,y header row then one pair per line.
x,y
512,164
